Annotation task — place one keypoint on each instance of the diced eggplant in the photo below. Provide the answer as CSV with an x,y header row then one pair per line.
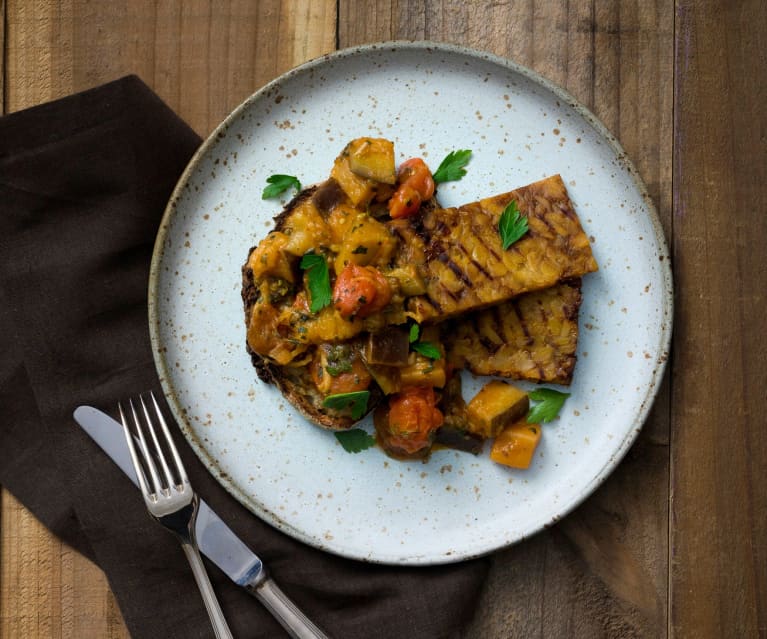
x,y
495,406
459,439
389,347
328,195
387,377
372,158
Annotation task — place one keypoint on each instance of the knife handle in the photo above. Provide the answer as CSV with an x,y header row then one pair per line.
x,y
283,609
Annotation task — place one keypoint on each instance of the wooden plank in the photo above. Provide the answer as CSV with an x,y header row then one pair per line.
x,y
203,59
46,588
603,571
719,464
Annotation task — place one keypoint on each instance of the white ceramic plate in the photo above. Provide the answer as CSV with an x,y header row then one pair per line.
x,y
429,99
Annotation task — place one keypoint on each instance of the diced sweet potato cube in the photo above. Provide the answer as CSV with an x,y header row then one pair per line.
x,y
358,189
516,444
372,158
495,406
423,371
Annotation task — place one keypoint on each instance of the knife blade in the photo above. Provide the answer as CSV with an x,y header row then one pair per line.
x,y
216,540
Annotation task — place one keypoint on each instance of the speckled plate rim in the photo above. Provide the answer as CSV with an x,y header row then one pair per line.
x,y
663,336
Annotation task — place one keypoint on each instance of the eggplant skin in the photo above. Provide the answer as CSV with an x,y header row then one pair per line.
x,y
533,337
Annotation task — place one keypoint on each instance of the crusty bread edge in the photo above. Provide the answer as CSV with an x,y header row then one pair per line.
x,y
300,395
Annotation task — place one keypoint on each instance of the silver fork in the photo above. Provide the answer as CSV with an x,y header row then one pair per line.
x,y
170,499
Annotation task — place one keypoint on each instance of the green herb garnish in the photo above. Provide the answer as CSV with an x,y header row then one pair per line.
x,y
318,280
355,440
278,184
551,402
427,349
451,168
338,360
512,226
357,402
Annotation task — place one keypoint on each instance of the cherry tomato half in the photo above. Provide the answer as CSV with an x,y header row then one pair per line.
x,y
405,202
415,173
360,291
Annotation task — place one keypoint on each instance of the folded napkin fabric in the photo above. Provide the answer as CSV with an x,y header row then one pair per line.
x,y
83,184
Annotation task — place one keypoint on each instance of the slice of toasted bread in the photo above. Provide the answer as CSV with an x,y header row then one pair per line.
x,y
294,382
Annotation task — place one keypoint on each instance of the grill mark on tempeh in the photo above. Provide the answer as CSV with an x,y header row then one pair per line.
x,y
514,304
445,259
476,264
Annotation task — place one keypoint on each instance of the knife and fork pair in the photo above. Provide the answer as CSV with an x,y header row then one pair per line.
x,y
171,500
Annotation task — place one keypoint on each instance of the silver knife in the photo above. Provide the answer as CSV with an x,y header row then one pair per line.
x,y
215,539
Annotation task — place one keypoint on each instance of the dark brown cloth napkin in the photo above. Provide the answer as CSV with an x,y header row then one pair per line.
x,y
83,184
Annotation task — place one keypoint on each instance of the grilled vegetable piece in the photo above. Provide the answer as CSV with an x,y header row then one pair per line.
x,y
454,432
422,370
532,337
462,260
356,164
495,406
372,158
390,347
516,445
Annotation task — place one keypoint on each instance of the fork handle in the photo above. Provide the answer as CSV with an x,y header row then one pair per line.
x,y
220,627
283,609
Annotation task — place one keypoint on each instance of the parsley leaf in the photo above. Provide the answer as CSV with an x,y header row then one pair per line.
x,y
512,226
357,402
548,408
427,349
451,167
278,184
318,280
355,440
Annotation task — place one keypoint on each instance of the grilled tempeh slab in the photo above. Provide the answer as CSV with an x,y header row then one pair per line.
x,y
461,258
532,337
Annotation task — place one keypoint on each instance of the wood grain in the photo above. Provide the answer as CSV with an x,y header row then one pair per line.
x,y
604,570
719,493
203,58
46,588
681,84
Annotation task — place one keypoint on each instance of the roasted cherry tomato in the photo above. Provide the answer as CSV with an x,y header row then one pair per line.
x,y
415,173
360,291
412,421
405,202
416,185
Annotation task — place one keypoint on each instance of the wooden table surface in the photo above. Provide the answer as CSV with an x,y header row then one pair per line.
x,y
675,542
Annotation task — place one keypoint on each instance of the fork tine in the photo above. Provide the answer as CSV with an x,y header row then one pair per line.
x,y
145,450
158,449
133,454
171,446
